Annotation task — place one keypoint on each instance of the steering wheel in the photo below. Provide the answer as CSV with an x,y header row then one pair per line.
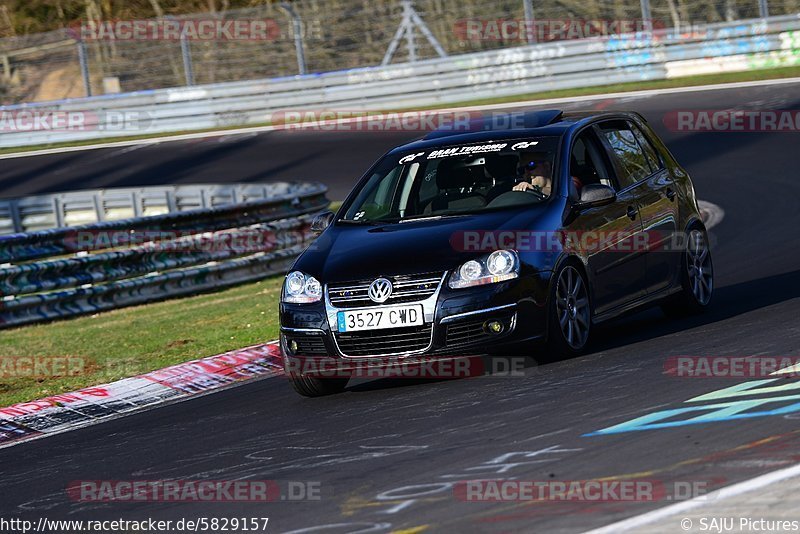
x,y
535,192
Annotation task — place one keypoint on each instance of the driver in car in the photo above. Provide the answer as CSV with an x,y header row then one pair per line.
x,y
536,175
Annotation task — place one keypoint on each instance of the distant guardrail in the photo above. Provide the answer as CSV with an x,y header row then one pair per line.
x,y
662,54
131,246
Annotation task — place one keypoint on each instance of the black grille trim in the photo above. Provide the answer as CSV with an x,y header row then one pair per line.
x,y
385,342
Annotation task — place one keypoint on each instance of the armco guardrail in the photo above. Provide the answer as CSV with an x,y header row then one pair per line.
x,y
725,47
145,244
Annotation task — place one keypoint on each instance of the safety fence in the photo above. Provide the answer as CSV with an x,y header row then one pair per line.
x,y
658,55
302,36
145,244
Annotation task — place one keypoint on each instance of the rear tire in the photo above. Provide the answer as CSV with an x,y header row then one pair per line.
x,y
697,278
569,312
311,386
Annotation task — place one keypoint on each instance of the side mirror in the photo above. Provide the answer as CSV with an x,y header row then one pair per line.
x,y
594,195
322,221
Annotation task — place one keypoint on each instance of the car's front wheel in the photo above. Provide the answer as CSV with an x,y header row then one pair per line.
x,y
697,277
570,320
312,386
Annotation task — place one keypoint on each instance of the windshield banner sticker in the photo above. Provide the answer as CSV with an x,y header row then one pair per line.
x,y
467,150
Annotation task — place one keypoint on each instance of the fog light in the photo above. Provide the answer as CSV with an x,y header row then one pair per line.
x,y
493,327
293,346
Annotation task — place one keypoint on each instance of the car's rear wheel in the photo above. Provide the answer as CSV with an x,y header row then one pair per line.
x,y
312,386
697,277
570,320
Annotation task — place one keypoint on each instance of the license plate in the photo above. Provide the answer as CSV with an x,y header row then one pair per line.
x,y
380,318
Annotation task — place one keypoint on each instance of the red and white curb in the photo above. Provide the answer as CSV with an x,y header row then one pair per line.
x,y
60,413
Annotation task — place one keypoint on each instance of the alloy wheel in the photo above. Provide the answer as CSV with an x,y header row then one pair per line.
x,y
572,307
700,269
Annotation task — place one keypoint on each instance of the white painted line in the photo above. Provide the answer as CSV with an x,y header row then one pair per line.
x,y
715,496
792,369
505,105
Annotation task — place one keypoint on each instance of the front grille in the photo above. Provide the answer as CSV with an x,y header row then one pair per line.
x,y
308,345
405,288
387,341
471,332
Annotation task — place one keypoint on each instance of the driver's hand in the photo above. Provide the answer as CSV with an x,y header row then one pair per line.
x,y
522,186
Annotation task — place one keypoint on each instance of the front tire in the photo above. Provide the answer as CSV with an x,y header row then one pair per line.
x,y
697,278
570,312
311,386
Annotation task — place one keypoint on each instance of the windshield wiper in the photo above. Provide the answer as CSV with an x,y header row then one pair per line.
x,y
363,222
415,219
433,217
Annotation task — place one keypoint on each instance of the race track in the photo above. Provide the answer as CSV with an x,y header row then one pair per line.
x,y
388,453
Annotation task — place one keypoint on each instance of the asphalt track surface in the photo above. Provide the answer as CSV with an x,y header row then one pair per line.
x,y
387,452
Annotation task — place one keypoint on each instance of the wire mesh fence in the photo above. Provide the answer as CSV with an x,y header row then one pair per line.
x,y
328,35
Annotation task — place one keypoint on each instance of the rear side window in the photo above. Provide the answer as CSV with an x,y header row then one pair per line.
x,y
633,162
649,150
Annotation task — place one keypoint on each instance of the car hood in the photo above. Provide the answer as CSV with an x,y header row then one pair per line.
x,y
354,252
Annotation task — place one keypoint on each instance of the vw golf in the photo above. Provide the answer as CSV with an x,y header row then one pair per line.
x,y
493,239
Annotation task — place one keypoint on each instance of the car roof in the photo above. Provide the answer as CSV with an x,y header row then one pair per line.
x,y
549,122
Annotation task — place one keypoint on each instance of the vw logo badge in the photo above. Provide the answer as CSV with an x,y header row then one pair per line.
x,y
380,290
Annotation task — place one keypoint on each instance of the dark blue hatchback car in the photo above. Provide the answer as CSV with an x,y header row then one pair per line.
x,y
489,240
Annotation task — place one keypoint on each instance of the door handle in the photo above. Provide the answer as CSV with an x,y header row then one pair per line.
x,y
632,213
671,194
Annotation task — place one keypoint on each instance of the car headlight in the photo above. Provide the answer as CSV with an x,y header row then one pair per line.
x,y
498,266
299,288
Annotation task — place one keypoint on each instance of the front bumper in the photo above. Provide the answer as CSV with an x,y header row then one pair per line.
x,y
455,325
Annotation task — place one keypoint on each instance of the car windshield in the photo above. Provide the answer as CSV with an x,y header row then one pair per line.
x,y
456,180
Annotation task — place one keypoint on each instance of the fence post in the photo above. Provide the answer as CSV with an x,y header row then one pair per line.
x,y
530,33
83,58
763,8
6,67
646,13
186,52
297,29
